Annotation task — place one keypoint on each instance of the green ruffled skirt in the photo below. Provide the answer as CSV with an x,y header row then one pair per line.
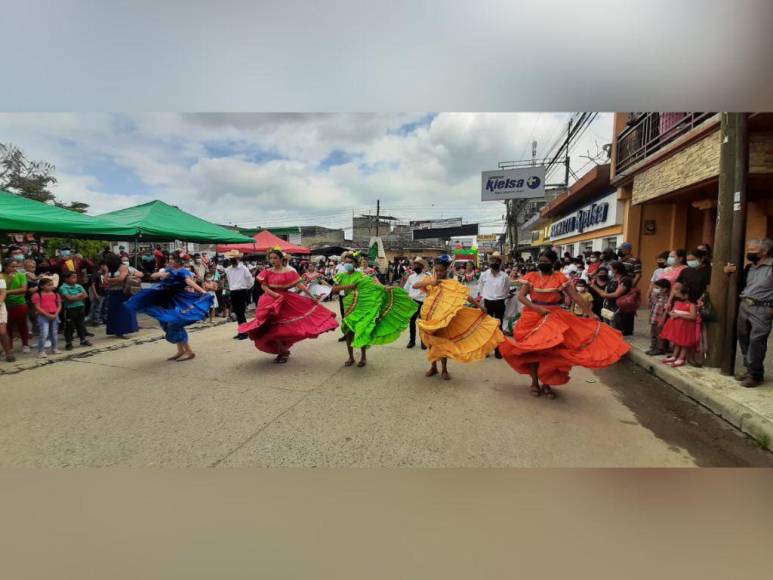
x,y
376,315
397,310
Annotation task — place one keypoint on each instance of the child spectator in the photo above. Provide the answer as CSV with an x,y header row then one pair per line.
x,y
47,306
97,294
582,290
74,302
211,287
659,298
682,328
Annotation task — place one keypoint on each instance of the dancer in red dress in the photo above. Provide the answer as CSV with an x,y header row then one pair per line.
x,y
283,318
547,340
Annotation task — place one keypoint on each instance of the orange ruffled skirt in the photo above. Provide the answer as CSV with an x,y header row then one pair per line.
x,y
452,330
560,341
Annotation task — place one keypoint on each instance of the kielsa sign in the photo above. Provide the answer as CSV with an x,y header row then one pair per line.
x,y
520,183
432,224
597,215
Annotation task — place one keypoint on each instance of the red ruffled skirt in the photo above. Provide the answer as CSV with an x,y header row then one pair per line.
x,y
288,319
560,341
682,332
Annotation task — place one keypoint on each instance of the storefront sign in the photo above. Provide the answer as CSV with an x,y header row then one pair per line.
x,y
431,224
520,183
600,214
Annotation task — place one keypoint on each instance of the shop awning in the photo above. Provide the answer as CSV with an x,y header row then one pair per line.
x,y
20,215
157,221
262,243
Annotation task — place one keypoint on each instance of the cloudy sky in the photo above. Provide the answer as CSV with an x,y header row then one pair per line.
x,y
291,169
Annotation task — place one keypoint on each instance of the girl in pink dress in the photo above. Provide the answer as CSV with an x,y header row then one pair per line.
x,y
682,328
283,318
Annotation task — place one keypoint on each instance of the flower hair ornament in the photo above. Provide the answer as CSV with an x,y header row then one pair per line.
x,y
355,254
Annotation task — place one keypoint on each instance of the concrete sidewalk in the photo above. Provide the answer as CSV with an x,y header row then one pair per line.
x,y
750,410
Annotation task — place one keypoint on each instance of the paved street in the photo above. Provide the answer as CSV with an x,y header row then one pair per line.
x,y
232,407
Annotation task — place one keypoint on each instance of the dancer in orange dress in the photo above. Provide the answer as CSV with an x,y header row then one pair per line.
x,y
548,341
283,318
448,327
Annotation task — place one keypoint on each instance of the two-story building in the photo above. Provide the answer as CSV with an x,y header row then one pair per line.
x,y
666,169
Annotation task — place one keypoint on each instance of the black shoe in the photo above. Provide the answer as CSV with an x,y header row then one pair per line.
x,y
343,338
654,352
86,343
237,337
242,336
497,354
411,344
68,346
423,346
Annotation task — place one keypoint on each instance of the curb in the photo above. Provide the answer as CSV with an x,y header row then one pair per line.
x,y
36,363
755,425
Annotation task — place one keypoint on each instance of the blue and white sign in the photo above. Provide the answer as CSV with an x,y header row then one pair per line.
x,y
520,183
595,216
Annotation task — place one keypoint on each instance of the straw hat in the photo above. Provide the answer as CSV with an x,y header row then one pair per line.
x,y
230,254
421,261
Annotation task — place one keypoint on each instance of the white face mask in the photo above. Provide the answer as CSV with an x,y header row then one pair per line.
x,y
656,290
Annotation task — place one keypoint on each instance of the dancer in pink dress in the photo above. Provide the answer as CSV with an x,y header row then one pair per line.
x,y
283,318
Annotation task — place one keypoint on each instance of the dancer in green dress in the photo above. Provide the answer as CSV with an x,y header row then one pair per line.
x,y
373,314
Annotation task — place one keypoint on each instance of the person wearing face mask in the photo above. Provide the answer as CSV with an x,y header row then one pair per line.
x,y
494,287
374,314
594,263
755,312
69,261
418,295
449,327
199,268
659,299
16,302
120,321
597,287
283,317
240,282
660,267
695,277
675,263
548,340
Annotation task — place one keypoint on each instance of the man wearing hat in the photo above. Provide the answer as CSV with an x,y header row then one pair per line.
x,y
420,273
240,283
632,264
494,287
69,262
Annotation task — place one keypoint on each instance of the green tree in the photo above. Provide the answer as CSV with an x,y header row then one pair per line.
x,y
30,179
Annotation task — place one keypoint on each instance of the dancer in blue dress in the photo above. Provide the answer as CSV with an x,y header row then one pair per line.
x,y
175,302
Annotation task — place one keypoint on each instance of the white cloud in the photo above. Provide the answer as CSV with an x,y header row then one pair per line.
x,y
265,169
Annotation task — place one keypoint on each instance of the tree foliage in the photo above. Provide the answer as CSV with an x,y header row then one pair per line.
x,y
31,179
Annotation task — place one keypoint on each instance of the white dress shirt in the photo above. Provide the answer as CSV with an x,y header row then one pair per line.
x,y
239,277
417,294
493,287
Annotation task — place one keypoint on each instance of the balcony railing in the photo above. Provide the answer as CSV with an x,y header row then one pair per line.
x,y
648,132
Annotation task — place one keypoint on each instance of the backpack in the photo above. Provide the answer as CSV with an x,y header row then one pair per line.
x,y
630,301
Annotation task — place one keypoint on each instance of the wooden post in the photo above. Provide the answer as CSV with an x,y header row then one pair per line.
x,y
722,248
740,147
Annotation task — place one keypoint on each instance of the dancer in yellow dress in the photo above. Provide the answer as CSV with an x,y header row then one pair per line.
x,y
449,328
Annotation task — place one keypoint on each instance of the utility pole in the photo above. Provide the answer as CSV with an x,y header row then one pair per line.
x,y
720,284
740,148
566,161
378,214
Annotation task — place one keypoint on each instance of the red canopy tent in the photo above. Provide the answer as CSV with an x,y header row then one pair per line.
x,y
264,241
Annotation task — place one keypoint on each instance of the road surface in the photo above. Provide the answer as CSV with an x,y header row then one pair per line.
x,y
232,407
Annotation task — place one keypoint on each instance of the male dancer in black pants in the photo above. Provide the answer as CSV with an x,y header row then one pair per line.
x,y
240,284
494,287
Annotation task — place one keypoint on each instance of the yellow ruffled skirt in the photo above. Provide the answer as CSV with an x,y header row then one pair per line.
x,y
452,330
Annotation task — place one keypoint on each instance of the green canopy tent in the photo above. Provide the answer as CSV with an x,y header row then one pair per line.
x,y
157,221
19,214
